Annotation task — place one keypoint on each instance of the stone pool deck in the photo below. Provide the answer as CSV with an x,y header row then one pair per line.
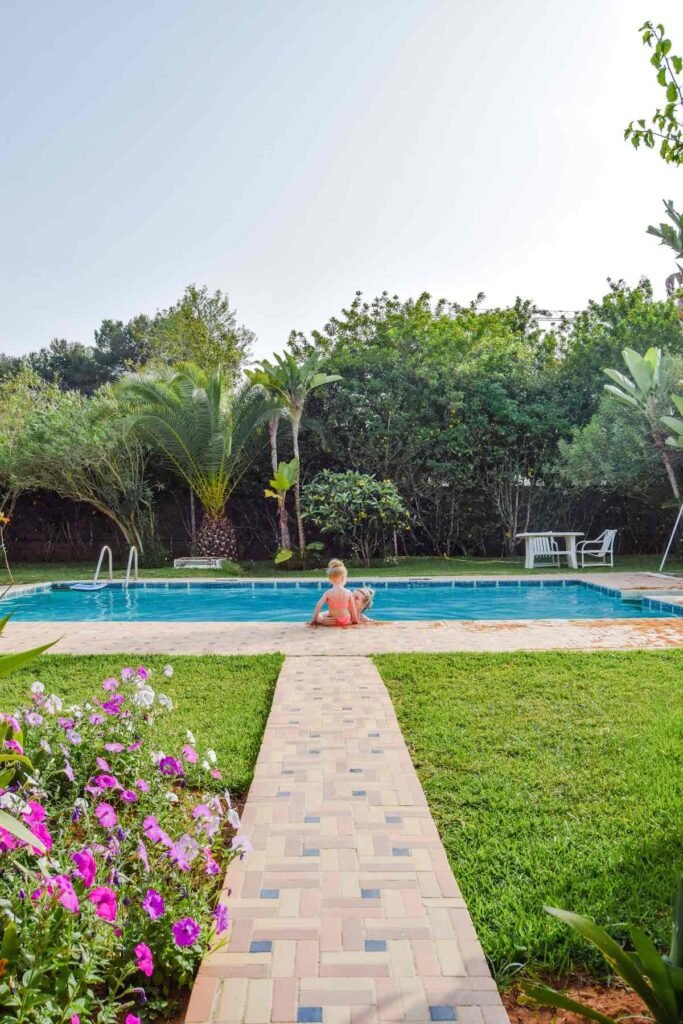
x,y
379,638
347,911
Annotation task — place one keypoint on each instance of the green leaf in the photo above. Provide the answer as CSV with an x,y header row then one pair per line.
x,y
639,368
545,995
9,948
621,379
671,92
655,969
618,393
12,662
283,555
676,952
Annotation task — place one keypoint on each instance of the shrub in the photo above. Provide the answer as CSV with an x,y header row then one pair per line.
x,y
118,912
361,512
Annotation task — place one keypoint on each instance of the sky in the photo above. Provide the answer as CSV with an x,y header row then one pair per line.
x,y
292,152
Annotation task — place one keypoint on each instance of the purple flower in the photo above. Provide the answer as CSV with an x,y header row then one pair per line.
x,y
153,903
104,900
132,1018
33,718
142,785
15,747
190,754
127,673
221,915
74,737
113,705
114,748
69,772
67,895
142,854
134,746
96,719
86,866
242,845
211,866
106,815
66,723
143,959
128,796
102,764
12,721
110,684
170,766
185,932
107,782
143,673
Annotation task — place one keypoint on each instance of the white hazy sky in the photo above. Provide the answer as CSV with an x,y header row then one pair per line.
x,y
293,151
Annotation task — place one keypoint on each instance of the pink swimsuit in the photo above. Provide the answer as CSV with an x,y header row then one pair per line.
x,y
339,610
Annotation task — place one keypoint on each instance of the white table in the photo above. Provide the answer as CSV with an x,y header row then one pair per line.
x,y
569,545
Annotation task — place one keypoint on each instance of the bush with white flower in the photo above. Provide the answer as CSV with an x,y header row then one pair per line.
x,y
106,917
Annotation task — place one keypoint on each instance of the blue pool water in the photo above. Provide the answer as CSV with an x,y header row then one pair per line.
x,y
294,602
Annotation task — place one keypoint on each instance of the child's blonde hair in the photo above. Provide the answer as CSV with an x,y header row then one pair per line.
x,y
368,594
335,569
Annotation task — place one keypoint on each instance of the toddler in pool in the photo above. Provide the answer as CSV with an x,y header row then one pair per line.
x,y
342,609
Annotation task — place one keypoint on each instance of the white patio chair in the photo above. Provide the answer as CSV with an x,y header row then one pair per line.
x,y
545,547
601,549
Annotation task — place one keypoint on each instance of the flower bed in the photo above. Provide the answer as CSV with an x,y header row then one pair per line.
x,y
107,916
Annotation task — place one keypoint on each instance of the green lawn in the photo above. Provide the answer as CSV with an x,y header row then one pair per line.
x,y
555,778
38,572
225,701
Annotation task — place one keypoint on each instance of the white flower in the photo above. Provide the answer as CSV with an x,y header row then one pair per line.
x,y
190,737
81,804
75,711
172,798
206,766
168,671
227,799
234,818
157,756
165,702
37,687
53,704
211,756
45,746
144,698
12,802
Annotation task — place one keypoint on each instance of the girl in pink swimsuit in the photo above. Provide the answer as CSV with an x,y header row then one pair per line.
x,y
341,607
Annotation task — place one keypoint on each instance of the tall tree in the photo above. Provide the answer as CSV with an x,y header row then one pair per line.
x,y
665,127
202,328
201,427
290,383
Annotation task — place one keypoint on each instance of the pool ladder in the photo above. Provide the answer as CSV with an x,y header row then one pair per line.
x,y
132,561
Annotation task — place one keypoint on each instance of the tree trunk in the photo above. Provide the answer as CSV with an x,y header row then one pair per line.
x,y
297,490
668,464
216,537
272,434
193,523
285,539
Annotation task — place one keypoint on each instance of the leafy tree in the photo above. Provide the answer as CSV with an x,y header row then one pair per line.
x,y
361,512
202,328
201,429
120,347
75,446
290,383
665,127
69,364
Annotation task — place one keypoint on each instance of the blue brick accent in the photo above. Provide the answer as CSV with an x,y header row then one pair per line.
x,y
442,1013
269,894
261,946
309,1015
375,946
370,894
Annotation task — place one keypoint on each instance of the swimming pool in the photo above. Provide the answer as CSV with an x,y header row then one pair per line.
x,y
291,601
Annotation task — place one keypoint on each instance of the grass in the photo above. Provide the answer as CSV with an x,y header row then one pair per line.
x,y
409,566
225,701
554,778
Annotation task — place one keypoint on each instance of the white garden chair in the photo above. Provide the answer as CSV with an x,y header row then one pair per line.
x,y
545,547
601,550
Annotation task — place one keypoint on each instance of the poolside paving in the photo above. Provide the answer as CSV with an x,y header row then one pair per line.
x,y
347,911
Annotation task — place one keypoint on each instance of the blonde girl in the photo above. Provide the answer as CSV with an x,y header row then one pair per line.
x,y
341,607
363,596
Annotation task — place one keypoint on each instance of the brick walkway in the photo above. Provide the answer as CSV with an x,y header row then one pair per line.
x,y
347,911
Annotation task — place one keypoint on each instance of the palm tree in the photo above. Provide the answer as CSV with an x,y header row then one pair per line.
x,y
645,391
201,429
290,383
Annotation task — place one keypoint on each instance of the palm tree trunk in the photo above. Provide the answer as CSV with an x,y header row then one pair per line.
x,y
285,539
272,434
193,523
668,465
216,537
297,489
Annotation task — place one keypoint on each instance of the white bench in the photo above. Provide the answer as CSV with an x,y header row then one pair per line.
x,y
198,563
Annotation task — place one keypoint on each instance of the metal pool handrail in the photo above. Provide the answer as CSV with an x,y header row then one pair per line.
x,y
132,560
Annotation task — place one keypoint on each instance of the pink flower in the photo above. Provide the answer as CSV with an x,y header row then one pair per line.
x,y
69,772
142,785
143,673
14,747
170,766
216,774
110,684
212,867
132,1018
33,718
127,673
185,932
113,705
114,748
104,900
7,842
154,904
35,812
241,844
190,754
41,833
102,765
107,782
142,854
75,1019
86,867
96,719
150,827
143,959
221,915
128,796
134,746
67,895
106,815
12,721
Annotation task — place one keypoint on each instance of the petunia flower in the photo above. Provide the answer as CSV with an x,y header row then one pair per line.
x,y
234,818
127,674
242,845
110,684
74,737
86,866
67,894
154,904
211,866
33,718
132,1018
142,785
104,900
190,754
168,671
185,932
69,772
102,765
96,719
165,702
143,959
170,766
114,748
106,815
37,687
221,915
107,781
142,854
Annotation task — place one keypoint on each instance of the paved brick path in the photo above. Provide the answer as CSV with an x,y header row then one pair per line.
x,y
347,911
